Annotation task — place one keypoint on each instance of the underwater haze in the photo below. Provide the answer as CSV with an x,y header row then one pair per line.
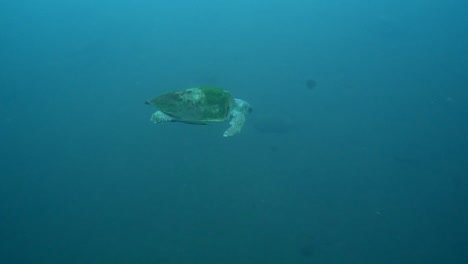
x,y
356,150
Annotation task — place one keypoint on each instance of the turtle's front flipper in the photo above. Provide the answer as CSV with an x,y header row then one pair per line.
x,y
237,122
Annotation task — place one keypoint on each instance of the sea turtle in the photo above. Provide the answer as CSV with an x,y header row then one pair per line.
x,y
199,106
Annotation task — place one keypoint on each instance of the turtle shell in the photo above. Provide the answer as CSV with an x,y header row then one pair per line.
x,y
200,104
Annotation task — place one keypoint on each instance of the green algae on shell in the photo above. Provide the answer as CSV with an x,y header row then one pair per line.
x,y
199,104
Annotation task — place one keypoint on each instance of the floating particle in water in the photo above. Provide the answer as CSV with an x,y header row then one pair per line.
x,y
311,84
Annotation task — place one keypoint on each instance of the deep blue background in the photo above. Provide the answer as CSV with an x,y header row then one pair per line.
x,y
370,166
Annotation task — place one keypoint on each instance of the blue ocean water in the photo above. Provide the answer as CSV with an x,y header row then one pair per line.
x,y
368,165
